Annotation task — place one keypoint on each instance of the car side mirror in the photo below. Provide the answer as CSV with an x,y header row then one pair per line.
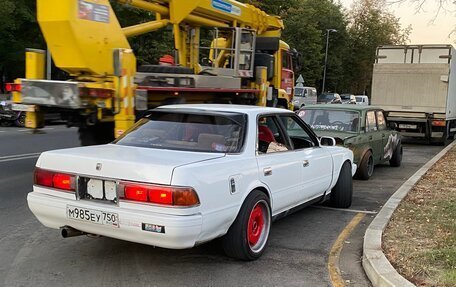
x,y
392,126
327,141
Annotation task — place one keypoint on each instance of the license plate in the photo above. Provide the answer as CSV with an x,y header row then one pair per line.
x,y
92,215
405,126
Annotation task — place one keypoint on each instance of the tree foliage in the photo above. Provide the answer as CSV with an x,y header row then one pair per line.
x,y
18,30
371,25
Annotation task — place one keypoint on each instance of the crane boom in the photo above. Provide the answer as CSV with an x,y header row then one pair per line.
x,y
82,34
224,12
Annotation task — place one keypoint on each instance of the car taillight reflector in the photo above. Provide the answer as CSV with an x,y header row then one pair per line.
x,y
165,195
439,123
97,92
13,87
54,179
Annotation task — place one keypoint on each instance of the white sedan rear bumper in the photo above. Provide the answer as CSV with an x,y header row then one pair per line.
x,y
180,231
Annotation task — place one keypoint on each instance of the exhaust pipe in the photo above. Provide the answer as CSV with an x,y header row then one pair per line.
x,y
70,232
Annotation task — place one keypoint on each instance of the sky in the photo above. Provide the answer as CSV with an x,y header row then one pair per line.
x,y
428,25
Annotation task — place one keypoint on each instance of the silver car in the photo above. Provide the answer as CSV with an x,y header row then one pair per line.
x,y
304,96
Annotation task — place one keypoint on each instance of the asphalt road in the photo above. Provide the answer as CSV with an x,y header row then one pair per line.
x,y
32,255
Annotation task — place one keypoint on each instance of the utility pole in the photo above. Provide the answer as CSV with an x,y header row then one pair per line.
x,y
326,57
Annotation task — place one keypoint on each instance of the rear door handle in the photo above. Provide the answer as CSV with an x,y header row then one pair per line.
x,y
267,171
305,163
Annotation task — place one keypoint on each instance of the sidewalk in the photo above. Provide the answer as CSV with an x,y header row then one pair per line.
x,y
377,267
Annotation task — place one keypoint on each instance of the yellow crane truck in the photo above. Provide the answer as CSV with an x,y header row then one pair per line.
x,y
245,63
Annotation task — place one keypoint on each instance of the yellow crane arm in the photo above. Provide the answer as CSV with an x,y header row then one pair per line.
x,y
82,34
213,13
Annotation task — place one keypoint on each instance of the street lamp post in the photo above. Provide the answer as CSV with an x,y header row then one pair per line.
x,y
326,57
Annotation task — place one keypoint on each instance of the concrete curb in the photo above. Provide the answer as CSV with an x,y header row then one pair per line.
x,y
379,270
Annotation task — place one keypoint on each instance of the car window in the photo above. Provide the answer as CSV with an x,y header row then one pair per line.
x,y
299,92
189,132
286,60
371,123
270,137
295,130
332,120
381,121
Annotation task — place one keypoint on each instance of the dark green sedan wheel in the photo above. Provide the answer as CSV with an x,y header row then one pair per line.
x,y
366,166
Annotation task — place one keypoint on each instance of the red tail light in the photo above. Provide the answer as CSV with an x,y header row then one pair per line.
x,y
55,179
97,93
136,193
43,177
439,123
13,87
63,181
165,195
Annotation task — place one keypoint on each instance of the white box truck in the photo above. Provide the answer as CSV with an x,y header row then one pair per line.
x,y
416,86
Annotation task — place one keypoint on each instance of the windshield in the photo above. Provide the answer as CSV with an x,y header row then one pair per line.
x,y
189,132
331,120
299,92
326,96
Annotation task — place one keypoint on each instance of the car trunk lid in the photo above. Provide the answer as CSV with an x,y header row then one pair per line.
x,y
121,162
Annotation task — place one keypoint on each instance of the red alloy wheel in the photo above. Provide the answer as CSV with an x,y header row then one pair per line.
x,y
256,225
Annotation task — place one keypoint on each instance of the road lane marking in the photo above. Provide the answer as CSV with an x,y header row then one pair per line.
x,y
346,210
334,254
19,156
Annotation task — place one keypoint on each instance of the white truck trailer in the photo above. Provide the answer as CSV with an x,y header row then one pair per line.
x,y
416,86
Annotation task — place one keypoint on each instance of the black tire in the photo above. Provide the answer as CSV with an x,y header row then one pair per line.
x,y
20,121
396,159
5,123
342,192
248,241
366,166
100,133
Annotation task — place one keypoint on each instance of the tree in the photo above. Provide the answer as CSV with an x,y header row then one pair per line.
x,y
441,7
370,25
306,22
18,31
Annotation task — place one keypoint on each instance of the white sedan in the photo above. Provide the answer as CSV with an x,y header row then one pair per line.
x,y
186,174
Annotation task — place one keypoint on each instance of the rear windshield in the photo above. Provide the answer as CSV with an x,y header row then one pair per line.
x,y
331,120
326,96
187,131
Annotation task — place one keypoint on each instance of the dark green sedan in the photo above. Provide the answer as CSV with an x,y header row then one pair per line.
x,y
363,129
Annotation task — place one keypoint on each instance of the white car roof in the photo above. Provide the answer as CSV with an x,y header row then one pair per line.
x,y
244,109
